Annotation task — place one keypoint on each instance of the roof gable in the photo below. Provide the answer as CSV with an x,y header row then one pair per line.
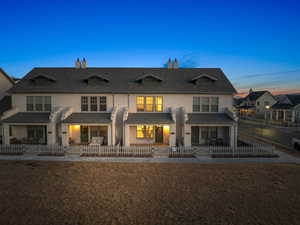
x,y
204,77
96,79
43,77
7,76
253,96
148,77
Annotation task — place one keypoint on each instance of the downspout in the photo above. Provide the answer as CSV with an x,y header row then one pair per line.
x,y
112,124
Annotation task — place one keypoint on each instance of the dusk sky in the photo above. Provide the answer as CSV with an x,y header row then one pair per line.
x,y
255,42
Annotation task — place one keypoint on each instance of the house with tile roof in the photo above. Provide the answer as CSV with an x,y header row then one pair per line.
x,y
128,106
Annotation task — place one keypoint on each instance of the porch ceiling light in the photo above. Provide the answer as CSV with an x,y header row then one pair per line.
x,y
267,107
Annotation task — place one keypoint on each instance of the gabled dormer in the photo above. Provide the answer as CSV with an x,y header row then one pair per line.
x,y
43,79
149,78
96,79
204,79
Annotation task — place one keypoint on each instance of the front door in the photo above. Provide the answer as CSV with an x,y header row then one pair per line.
x,y
195,135
84,134
159,136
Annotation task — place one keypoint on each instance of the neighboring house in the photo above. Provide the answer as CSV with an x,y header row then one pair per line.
x,y
130,106
258,102
6,82
287,109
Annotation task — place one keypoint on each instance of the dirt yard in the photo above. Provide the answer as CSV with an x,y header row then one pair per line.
x,y
62,193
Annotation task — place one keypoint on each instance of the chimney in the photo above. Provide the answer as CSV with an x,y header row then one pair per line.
x,y
250,91
175,64
78,63
170,64
84,63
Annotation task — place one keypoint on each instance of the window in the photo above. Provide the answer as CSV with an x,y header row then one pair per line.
x,y
30,102
47,103
144,131
257,103
196,104
209,132
38,103
149,104
159,104
84,104
140,104
205,104
214,104
93,102
102,106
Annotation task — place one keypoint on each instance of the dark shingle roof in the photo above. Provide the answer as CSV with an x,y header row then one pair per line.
x,y
279,105
209,118
149,118
294,98
28,117
88,118
5,104
123,80
253,96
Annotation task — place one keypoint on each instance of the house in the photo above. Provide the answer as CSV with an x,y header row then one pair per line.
x,y
129,106
6,82
287,109
257,103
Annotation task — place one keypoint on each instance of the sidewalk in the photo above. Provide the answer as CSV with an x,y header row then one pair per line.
x,y
283,158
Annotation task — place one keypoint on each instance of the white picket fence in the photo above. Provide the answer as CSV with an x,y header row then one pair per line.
x,y
181,152
239,151
116,151
33,149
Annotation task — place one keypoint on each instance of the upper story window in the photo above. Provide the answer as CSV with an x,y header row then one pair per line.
x,y
38,103
149,104
93,103
205,104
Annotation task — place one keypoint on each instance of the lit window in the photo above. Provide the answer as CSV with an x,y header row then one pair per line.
x,y
143,131
140,104
149,104
159,104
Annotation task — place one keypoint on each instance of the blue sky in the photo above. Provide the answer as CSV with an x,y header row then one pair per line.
x,y
255,42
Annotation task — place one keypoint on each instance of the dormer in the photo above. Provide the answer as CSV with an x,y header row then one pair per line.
x,y
204,79
149,78
42,79
96,79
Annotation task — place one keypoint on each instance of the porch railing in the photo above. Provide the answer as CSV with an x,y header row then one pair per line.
x,y
32,149
116,151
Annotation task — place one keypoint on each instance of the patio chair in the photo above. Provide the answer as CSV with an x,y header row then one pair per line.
x,y
97,141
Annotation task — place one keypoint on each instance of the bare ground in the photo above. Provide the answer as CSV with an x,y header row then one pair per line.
x,y
61,193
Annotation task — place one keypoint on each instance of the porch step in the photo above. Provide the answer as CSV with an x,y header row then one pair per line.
x,y
161,153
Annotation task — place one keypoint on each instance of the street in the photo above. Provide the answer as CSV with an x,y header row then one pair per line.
x,y
279,135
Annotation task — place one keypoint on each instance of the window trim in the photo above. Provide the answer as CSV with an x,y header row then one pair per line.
x,y
100,105
34,103
198,108
154,104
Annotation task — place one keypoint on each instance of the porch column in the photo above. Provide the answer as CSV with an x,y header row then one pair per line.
x,y
284,115
232,136
293,116
126,135
113,133
51,134
172,141
271,115
5,134
109,135
187,135
277,114
65,134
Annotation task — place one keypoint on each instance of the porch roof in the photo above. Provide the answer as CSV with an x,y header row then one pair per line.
x,y
28,117
149,118
209,118
82,118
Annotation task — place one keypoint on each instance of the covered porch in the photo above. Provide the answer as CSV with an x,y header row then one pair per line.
x,y
210,129
29,128
150,129
87,129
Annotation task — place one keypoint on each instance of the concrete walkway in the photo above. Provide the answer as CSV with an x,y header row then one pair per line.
x,y
283,158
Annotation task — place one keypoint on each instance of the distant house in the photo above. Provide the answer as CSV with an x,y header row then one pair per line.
x,y
256,103
6,82
287,109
